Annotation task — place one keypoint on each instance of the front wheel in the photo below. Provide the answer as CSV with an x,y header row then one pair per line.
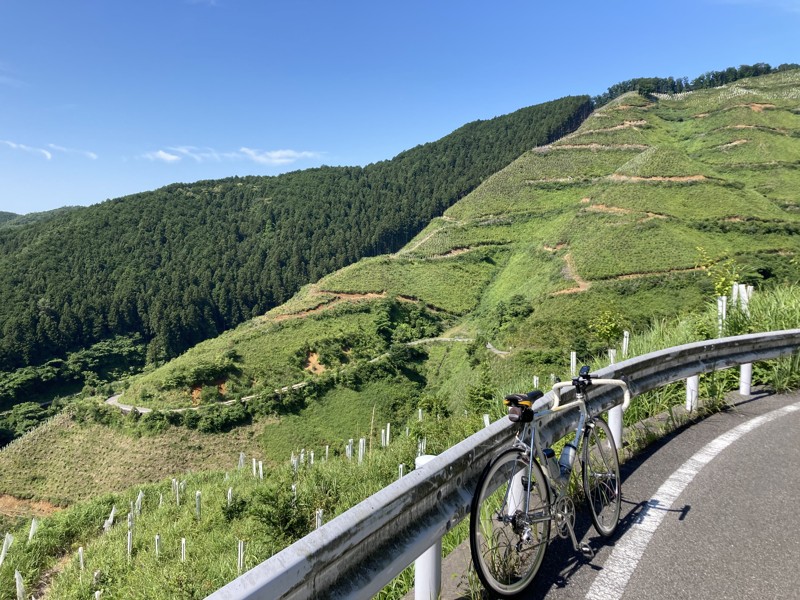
x,y
601,476
509,524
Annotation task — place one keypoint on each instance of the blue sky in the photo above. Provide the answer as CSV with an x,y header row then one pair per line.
x,y
103,98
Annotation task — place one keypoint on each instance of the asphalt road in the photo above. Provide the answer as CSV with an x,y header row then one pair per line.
x,y
712,511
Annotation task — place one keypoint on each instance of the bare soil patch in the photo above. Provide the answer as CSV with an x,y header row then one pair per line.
x,y
732,144
604,208
755,107
17,507
313,365
451,253
618,177
600,147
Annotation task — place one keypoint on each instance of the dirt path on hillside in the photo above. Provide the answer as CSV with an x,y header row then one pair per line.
x,y
618,177
339,298
572,273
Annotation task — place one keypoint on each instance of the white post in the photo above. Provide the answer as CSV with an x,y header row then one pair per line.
x,y
310,457
261,469
486,421
362,449
388,433
401,471
240,557
230,496
428,567
536,382
327,449
130,544
197,504
20,585
692,389
318,516
615,414
573,363
745,379
183,549
419,414
158,545
626,341
722,313
34,527
255,466
80,557
7,540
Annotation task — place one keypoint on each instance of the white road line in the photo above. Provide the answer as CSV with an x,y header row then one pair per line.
x,y
610,583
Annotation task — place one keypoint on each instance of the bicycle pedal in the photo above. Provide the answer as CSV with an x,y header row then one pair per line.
x,y
587,551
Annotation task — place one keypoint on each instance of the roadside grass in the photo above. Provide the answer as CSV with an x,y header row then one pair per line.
x,y
65,462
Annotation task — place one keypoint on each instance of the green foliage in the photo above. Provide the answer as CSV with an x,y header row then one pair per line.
x,y
607,328
723,273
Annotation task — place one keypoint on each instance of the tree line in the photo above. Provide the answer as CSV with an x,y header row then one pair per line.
x,y
672,85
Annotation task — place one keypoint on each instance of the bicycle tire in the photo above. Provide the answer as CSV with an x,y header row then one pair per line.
x,y
507,548
601,482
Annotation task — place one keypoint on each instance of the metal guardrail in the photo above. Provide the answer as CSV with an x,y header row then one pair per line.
x,y
357,553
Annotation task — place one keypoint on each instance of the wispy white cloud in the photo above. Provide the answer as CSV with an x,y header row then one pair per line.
x,y
162,156
276,157
174,154
25,148
85,153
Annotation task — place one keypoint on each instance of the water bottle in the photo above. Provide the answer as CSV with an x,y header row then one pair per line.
x,y
552,464
566,460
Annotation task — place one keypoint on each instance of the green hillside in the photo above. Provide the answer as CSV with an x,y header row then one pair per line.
x,y
616,225
169,268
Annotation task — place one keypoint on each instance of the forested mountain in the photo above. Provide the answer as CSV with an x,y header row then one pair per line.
x,y
185,262
6,216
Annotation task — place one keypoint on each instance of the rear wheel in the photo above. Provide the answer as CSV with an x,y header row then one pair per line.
x,y
509,524
601,476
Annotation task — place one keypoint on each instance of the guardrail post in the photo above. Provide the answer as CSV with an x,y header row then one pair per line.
x,y
428,567
615,414
692,389
745,379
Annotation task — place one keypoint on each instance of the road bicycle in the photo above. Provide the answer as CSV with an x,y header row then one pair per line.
x,y
524,490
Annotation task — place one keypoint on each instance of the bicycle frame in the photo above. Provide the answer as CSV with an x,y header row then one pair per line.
x,y
558,488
